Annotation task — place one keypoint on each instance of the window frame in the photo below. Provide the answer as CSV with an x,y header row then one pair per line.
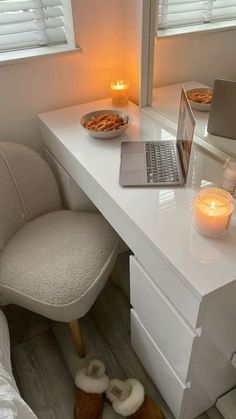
x,y
21,55
213,26
148,34
198,29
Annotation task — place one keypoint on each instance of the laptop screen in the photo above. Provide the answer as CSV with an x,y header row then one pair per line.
x,y
185,130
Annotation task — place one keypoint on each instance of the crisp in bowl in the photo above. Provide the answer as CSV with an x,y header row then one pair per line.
x,y
200,98
105,123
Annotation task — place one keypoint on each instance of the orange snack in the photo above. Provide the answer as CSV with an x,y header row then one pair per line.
x,y
200,97
106,122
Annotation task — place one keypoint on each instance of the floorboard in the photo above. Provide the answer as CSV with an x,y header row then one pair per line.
x,y
24,324
45,360
214,413
44,378
112,313
96,347
46,413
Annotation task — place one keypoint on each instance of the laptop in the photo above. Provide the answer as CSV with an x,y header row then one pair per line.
x,y
222,117
160,163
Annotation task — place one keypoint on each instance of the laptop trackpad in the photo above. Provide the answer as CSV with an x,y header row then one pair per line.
x,y
133,161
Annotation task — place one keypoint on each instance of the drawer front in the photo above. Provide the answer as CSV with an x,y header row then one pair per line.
x,y
171,284
169,385
167,327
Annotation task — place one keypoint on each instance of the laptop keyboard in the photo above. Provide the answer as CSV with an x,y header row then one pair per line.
x,y
161,163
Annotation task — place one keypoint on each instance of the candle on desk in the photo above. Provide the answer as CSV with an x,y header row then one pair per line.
x,y
120,92
212,208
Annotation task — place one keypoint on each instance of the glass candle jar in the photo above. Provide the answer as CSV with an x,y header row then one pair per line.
x,y
120,92
212,208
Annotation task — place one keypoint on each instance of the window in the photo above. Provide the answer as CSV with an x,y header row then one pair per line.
x,y
189,15
27,24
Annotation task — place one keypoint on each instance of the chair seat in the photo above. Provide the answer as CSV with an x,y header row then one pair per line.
x,y
51,263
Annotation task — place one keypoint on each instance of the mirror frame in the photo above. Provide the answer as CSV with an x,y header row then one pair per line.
x,y
148,32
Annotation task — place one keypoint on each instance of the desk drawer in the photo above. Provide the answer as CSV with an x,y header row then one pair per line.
x,y
170,283
167,327
170,386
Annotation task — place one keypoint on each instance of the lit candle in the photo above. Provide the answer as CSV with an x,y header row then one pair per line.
x,y
212,208
120,92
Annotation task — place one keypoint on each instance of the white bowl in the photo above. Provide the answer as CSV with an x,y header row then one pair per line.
x,y
197,105
105,134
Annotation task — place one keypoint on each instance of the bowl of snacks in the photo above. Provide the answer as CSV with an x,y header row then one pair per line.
x,y
105,123
200,98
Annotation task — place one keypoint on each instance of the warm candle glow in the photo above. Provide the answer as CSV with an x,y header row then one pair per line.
x,y
212,210
120,92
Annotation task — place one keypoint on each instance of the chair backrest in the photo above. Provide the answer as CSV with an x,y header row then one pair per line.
x,y
27,188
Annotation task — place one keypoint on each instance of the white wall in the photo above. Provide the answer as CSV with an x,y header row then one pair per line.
x,y
109,35
43,84
195,57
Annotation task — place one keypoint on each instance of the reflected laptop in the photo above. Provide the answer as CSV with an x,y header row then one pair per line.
x,y
222,117
160,163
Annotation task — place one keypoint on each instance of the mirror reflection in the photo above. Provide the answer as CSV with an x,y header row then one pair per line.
x,y
193,59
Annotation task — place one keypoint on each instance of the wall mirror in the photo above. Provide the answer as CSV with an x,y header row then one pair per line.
x,y
182,45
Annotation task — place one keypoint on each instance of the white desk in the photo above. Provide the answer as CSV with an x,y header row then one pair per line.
x,y
183,286
166,101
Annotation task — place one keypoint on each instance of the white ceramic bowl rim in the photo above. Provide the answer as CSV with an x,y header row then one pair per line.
x,y
106,134
199,106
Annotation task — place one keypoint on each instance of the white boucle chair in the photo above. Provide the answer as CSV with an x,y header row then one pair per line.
x,y
52,261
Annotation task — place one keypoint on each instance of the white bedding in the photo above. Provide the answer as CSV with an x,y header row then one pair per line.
x,y
11,404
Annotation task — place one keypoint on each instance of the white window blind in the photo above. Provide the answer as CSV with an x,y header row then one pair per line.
x,y
182,13
34,23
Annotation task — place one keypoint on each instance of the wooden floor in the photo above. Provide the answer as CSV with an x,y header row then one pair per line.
x,y
45,360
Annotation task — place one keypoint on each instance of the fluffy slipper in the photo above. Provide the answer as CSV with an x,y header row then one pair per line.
x,y
149,410
91,382
128,399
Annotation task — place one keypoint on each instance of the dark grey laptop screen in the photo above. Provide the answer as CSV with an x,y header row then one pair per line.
x,y
222,117
186,124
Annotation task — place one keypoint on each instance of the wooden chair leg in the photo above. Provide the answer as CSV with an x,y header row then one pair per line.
x,y
75,330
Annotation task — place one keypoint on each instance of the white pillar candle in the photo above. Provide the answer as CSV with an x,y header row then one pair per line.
x,y
212,208
120,92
